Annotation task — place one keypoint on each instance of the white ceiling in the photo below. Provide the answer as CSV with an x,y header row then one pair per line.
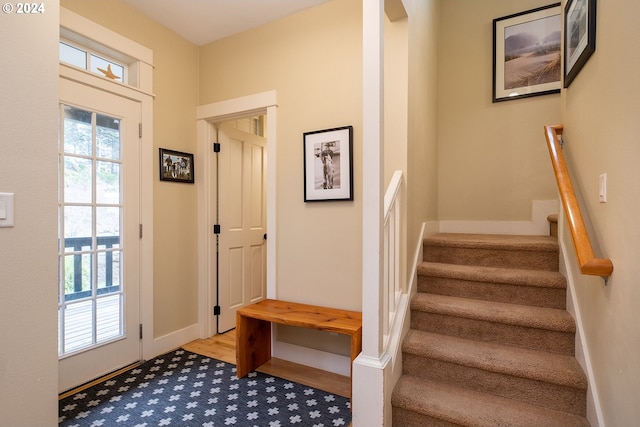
x,y
203,21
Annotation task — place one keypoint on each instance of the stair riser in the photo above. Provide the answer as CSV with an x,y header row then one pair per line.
x,y
406,418
530,391
536,339
477,287
532,260
498,292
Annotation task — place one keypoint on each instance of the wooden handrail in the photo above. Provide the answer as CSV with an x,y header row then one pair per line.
x,y
589,264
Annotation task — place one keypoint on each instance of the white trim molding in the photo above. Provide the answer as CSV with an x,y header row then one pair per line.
x,y
582,355
538,226
174,340
330,362
207,115
139,58
140,61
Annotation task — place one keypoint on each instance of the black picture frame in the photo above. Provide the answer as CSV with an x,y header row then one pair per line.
x,y
176,166
527,58
579,36
328,164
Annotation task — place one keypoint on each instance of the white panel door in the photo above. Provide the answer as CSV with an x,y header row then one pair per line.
x,y
242,196
99,245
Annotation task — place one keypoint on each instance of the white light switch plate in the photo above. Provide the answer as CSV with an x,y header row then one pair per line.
x,y
602,193
6,209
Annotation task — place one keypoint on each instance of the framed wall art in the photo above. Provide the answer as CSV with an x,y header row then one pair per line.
x,y
328,164
526,53
579,36
176,166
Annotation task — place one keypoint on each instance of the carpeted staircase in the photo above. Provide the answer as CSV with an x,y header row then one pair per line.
x,y
490,343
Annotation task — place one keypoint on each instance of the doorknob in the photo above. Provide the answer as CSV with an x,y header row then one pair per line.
x,y
265,236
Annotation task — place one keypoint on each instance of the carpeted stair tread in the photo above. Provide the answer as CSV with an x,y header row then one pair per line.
x,y
493,250
491,342
511,276
494,241
457,406
541,288
512,314
520,362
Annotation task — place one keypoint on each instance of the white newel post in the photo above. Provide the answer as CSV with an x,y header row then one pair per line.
x,y
369,368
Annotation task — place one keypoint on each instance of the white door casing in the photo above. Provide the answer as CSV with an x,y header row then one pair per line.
x,y
263,103
139,88
123,347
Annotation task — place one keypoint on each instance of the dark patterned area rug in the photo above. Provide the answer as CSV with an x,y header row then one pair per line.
x,y
186,389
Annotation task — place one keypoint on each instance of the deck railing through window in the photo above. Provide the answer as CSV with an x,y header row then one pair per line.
x,y
107,265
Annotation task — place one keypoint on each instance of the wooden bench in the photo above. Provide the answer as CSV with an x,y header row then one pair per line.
x,y
253,328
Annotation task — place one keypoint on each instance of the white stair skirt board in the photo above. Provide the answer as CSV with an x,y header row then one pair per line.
x,y
330,362
583,355
538,226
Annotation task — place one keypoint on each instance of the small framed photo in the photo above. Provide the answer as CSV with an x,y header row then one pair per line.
x,y
579,36
176,166
328,164
526,53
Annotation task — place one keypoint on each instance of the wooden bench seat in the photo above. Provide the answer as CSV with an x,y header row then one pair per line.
x,y
253,328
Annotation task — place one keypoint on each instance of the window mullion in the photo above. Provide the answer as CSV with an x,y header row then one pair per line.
x,y
94,209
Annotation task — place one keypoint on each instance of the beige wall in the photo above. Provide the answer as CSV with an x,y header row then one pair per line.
x,y
396,74
313,60
175,205
600,113
28,261
422,146
492,156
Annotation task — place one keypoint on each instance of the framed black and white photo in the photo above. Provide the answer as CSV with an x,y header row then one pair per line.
x,y
526,53
328,164
176,166
579,36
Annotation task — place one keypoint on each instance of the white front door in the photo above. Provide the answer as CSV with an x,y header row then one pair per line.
x,y
99,245
242,196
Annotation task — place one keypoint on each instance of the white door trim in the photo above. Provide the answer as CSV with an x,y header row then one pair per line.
x,y
260,103
141,89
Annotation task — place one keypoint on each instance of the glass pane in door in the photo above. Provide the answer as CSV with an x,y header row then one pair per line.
x,y
90,302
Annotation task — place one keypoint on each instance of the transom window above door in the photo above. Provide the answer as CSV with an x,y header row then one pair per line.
x,y
96,63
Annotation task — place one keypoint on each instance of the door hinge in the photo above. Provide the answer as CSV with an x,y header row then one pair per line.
x,y
140,230
216,229
216,147
139,130
216,310
140,330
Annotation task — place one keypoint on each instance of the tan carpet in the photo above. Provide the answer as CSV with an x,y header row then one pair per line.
x,y
491,343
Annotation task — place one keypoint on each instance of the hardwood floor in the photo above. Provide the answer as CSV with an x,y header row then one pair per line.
x,y
223,347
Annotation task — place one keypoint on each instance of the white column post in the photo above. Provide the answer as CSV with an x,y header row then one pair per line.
x,y
369,368
372,171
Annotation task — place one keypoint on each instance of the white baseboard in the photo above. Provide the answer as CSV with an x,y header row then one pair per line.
x,y
594,410
428,229
326,361
538,226
336,363
175,339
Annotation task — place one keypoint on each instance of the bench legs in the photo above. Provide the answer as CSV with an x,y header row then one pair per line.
x,y
253,344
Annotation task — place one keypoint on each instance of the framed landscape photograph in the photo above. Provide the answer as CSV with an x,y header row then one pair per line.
x,y
579,36
328,164
176,166
526,53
